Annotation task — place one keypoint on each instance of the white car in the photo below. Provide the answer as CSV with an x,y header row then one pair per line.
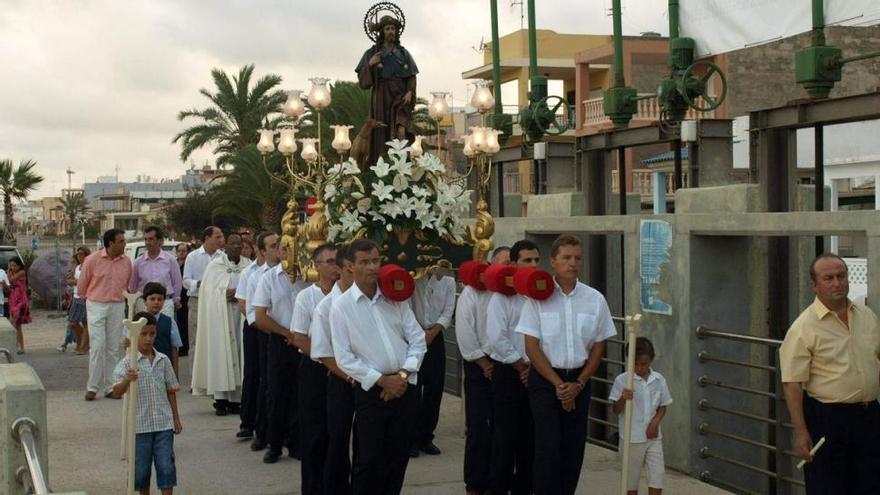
x,y
133,249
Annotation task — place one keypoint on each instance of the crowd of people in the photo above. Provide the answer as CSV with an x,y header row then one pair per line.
x,y
348,379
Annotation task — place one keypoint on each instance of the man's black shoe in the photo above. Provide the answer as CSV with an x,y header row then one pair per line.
x,y
220,407
233,408
414,451
244,433
430,449
271,457
258,444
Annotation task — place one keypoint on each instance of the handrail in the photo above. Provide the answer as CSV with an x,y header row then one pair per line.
x,y
24,430
705,356
703,332
6,352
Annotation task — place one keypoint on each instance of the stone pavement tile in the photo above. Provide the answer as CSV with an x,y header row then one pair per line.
x,y
84,441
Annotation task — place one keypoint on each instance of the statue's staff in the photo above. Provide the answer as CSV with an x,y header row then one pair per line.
x,y
123,447
631,325
134,328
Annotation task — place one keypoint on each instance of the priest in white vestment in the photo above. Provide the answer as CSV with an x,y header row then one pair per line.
x,y
217,362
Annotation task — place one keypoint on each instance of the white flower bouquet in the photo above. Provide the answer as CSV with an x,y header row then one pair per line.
x,y
399,193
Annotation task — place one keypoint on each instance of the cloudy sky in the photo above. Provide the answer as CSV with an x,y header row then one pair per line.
x,y
96,84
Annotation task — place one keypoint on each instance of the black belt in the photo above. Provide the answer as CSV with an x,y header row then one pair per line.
x,y
568,371
858,406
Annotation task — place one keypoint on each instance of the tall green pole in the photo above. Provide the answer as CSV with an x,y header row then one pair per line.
x,y
818,34
673,19
496,58
618,45
533,42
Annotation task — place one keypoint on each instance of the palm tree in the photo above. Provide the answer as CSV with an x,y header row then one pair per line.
x,y
16,183
237,112
74,207
248,193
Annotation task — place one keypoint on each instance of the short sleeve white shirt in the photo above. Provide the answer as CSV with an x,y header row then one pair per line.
x,y
502,317
319,333
434,301
277,294
304,307
648,396
568,324
470,323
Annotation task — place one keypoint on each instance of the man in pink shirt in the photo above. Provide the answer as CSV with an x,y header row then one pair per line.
x,y
104,277
157,265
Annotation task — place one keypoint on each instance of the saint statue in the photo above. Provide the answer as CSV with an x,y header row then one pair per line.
x,y
390,71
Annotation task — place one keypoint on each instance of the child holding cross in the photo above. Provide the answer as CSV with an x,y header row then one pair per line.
x,y
157,417
650,398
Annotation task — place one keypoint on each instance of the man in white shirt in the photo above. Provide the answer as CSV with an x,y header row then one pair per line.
x,y
194,269
513,443
433,303
312,386
267,246
340,386
473,343
380,344
273,306
250,382
565,338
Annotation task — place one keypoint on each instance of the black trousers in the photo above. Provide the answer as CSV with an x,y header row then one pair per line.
x,y
513,438
312,396
283,424
340,414
250,384
849,462
560,437
384,435
429,391
261,426
182,317
478,422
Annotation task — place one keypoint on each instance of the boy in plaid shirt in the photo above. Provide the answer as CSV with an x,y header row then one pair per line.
x,y
157,417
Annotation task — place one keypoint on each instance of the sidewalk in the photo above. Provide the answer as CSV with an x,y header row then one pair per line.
x,y
84,440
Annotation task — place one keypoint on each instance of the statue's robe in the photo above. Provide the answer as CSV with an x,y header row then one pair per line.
x,y
389,84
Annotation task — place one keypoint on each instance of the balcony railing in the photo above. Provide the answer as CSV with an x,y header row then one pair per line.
x,y
647,111
643,181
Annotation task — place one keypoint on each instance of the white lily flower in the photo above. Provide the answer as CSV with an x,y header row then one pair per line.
x,y
381,168
329,191
397,144
406,204
334,169
333,232
420,192
350,167
431,163
402,165
391,209
350,221
381,191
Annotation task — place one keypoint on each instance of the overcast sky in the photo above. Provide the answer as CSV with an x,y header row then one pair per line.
x,y
92,84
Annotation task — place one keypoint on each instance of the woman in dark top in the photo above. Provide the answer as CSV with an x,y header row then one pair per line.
x,y
182,314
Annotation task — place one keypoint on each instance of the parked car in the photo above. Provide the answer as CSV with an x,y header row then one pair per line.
x,y
7,252
133,249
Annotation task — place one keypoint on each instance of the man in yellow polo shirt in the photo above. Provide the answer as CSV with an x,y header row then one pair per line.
x,y
830,363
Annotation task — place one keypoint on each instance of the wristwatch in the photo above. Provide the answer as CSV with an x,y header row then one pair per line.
x,y
403,374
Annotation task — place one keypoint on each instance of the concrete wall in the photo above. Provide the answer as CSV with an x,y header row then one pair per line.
x,y
763,76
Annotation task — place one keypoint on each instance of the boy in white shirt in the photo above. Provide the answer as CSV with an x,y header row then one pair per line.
x,y
650,398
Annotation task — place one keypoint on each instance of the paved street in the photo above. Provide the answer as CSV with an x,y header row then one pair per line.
x,y
84,439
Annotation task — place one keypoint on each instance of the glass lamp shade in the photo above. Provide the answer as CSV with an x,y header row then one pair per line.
x,y
267,141
417,147
319,95
341,141
483,100
294,106
479,136
438,109
469,146
309,153
287,142
492,144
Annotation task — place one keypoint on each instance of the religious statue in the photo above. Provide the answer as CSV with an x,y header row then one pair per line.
x,y
389,70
